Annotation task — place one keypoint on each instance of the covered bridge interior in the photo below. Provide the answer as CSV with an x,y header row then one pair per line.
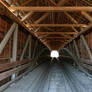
x,y
45,45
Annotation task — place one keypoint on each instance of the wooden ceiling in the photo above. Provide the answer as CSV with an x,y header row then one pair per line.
x,y
54,22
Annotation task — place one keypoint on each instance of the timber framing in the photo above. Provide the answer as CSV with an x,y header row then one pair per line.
x,y
46,18
29,27
56,32
56,25
49,9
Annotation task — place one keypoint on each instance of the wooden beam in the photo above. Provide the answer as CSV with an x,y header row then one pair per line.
x,y
41,18
7,37
61,40
10,65
75,29
81,32
87,16
14,50
26,2
86,46
8,73
13,2
61,36
49,9
56,37
46,14
30,13
53,40
55,32
67,14
56,25
25,48
13,17
52,2
27,16
61,2
72,19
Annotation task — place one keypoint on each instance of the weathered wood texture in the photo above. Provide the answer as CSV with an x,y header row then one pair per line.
x,y
7,66
82,50
84,59
22,36
4,27
6,70
6,55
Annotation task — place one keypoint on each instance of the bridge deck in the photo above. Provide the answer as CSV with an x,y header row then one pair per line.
x,y
54,78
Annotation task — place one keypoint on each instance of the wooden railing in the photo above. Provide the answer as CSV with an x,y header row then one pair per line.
x,y
7,66
86,63
7,69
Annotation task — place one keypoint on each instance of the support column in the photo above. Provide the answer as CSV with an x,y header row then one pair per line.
x,y
25,47
70,47
14,51
30,48
86,46
76,48
35,49
7,36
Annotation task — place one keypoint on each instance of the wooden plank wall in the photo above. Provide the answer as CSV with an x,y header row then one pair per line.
x,y
22,37
6,66
82,51
4,27
5,56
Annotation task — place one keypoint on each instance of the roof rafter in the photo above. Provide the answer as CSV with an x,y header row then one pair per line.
x,y
26,2
72,19
87,16
27,16
41,18
46,14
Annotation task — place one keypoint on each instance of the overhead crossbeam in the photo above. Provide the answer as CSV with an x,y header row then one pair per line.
x,y
56,25
54,40
56,37
56,33
54,9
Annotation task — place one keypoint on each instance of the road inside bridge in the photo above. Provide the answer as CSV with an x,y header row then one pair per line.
x,y
53,78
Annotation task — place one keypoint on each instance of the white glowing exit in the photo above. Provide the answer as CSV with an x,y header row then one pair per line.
x,y
54,54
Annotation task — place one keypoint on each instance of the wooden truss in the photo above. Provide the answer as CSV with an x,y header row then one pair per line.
x,y
25,15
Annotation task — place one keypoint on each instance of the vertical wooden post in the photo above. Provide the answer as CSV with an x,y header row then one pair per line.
x,y
70,47
76,48
35,49
14,50
86,46
30,48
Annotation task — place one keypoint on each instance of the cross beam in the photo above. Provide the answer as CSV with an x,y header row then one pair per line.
x,y
55,8
56,33
56,25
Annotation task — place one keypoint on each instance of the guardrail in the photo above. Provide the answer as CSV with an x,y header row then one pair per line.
x,y
86,63
7,69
